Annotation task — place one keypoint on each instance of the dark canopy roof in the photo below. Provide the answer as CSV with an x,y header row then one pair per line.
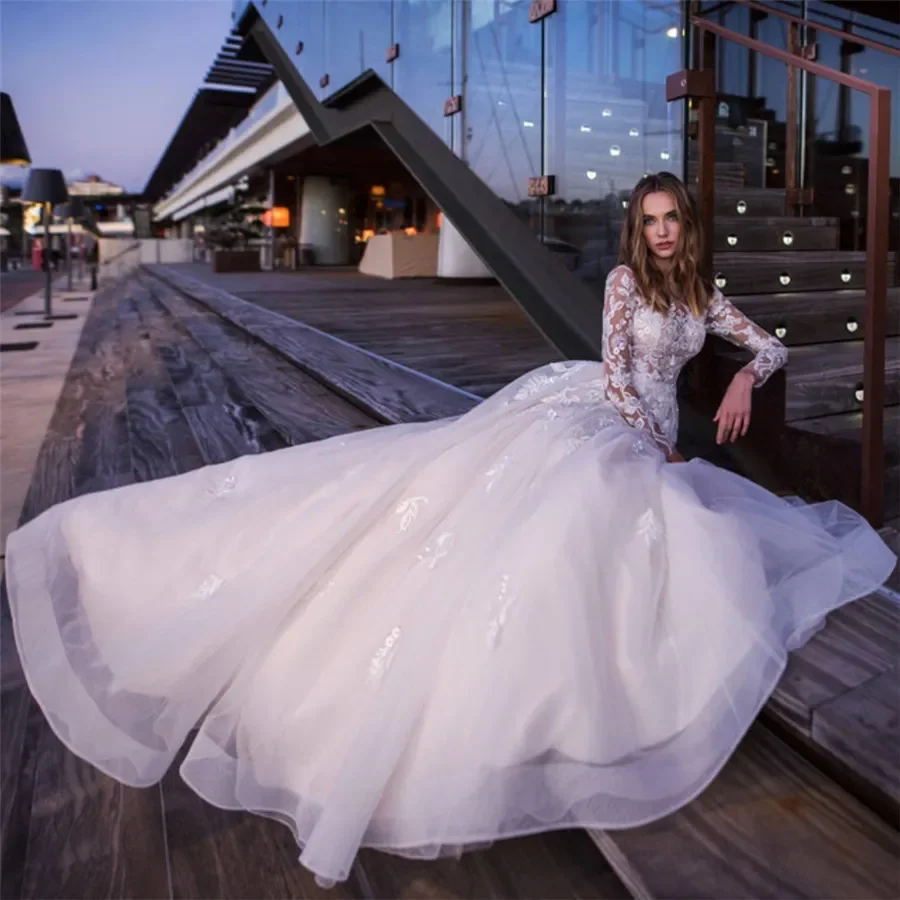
x,y
234,86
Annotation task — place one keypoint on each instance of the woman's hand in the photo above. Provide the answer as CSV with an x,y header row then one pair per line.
x,y
733,416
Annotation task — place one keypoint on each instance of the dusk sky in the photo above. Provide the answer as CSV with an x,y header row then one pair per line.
x,y
101,85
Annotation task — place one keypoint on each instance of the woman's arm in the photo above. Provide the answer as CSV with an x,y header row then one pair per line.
x,y
724,320
618,315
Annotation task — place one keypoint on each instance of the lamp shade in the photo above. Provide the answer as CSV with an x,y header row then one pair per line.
x,y
45,186
13,149
73,208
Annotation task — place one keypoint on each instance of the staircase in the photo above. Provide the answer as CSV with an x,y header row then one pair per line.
x,y
791,275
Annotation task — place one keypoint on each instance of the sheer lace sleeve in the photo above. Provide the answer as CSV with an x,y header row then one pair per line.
x,y
618,315
725,321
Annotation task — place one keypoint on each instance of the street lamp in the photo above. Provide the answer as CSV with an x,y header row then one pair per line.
x,y
47,187
72,210
13,149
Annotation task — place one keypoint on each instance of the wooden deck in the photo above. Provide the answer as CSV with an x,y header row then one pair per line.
x,y
144,399
160,385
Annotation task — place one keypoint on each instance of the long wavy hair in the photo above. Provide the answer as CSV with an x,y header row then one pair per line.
x,y
683,280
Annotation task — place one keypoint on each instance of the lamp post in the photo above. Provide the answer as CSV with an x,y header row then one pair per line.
x,y
72,210
47,187
13,149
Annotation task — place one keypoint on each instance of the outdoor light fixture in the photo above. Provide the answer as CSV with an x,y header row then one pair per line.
x,y
781,332
47,187
784,278
13,149
732,240
845,276
852,325
741,207
720,280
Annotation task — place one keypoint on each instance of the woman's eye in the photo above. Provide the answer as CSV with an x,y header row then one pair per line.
x,y
673,217
648,221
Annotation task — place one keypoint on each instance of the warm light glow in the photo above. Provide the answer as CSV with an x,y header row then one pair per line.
x,y
281,217
367,234
439,219
410,231
377,190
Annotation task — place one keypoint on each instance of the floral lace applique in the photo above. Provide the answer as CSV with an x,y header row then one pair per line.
x,y
495,471
435,552
225,486
725,321
649,527
505,601
408,510
207,587
383,657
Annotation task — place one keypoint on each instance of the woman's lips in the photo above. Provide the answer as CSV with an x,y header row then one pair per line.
x,y
665,245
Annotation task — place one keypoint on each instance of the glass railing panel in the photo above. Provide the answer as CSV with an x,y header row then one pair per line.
x,y
608,122
504,115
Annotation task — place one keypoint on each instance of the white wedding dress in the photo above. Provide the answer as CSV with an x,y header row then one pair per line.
x,y
426,637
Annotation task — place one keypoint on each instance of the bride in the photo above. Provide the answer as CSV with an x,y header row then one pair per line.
x,y
425,637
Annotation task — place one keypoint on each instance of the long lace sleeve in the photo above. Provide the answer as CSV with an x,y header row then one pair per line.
x,y
725,321
618,315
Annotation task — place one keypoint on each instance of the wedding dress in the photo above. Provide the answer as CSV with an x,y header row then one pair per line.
x,y
425,637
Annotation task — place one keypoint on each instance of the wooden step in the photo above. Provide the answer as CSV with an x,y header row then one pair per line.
x,y
740,234
822,458
813,317
823,379
814,270
727,174
824,454
770,826
753,202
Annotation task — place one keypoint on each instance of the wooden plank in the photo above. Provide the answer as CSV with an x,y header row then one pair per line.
x,y
474,336
224,422
859,642
813,270
299,407
388,392
220,855
861,728
557,864
70,828
162,442
770,826
105,458
89,835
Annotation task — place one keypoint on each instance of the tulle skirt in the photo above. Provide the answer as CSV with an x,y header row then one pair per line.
x,y
425,637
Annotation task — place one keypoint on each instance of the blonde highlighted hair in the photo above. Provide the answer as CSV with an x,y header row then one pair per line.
x,y
683,281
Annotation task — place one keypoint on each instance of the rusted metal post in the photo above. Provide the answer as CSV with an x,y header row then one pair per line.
x,y
790,139
706,152
877,224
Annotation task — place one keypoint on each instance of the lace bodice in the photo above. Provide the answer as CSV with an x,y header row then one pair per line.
x,y
644,351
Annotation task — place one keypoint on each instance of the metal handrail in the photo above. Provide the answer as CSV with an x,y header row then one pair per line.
x,y
877,224
819,26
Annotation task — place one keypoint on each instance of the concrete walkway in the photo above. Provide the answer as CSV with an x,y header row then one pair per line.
x,y
30,385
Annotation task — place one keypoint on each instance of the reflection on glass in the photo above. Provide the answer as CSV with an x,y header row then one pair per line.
x,y
357,36
423,73
504,115
608,122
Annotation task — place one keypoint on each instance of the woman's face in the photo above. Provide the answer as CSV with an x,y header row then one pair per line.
x,y
662,228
